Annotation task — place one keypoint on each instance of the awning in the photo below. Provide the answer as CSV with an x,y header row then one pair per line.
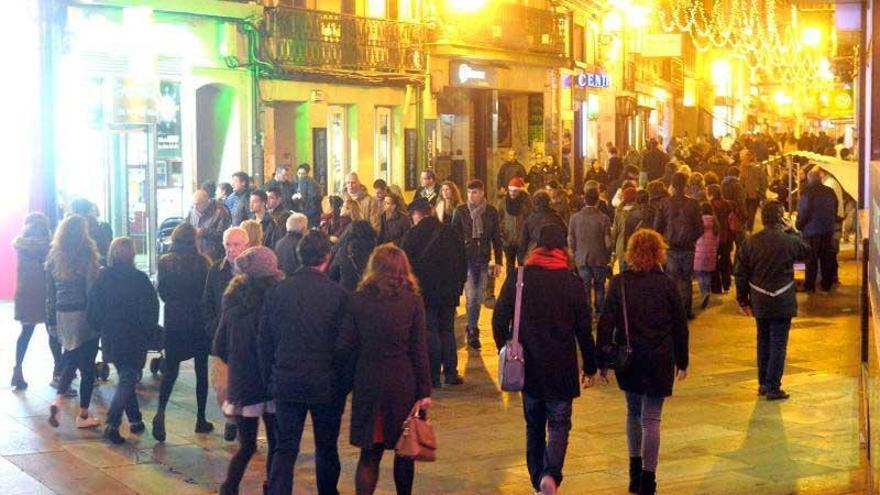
x,y
846,172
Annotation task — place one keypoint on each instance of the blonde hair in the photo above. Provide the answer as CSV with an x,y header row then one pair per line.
x,y
388,273
254,232
72,252
353,208
121,252
645,250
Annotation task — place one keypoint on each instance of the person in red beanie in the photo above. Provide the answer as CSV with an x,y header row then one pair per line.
x,y
513,209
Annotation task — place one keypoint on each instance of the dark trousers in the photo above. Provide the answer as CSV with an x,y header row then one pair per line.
x,y
722,278
289,421
125,397
367,475
171,369
772,344
442,348
546,457
594,281
83,359
822,258
680,268
511,260
247,447
751,210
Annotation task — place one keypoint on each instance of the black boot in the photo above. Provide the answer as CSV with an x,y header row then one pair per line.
x,y
159,426
635,474
648,485
18,379
473,338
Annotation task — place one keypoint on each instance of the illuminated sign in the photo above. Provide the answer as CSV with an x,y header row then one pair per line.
x,y
592,80
467,74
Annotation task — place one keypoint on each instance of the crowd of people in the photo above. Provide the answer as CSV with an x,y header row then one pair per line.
x,y
301,307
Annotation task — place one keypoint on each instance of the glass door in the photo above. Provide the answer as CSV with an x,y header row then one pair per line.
x,y
383,144
132,184
337,149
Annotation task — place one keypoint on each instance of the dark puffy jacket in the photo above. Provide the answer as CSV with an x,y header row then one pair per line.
x,y
531,232
554,323
438,262
393,229
766,260
817,210
654,163
679,221
124,309
479,249
211,225
236,339
30,280
218,278
658,330
350,261
181,284
285,249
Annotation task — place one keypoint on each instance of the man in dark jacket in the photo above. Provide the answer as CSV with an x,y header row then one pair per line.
x,y
238,203
589,236
542,215
436,253
679,221
307,195
303,319
260,213
816,220
654,161
509,170
211,219
297,225
429,189
615,171
754,183
765,289
554,323
284,187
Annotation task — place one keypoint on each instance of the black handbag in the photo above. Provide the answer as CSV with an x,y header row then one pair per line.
x,y
619,356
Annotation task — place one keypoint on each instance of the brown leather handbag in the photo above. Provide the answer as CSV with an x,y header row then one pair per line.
x,y
417,440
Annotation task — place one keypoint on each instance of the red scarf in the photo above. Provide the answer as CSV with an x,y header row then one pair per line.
x,y
549,259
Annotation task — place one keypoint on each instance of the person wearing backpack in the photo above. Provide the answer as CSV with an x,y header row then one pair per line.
x,y
554,324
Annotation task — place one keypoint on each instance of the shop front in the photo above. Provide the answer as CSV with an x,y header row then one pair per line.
x,y
481,110
590,121
147,110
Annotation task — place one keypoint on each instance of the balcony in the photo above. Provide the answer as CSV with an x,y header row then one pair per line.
x,y
328,40
514,28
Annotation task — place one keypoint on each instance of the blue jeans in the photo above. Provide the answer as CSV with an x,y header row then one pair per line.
x,y
477,278
643,428
704,280
542,456
290,419
680,267
125,398
772,344
594,278
442,350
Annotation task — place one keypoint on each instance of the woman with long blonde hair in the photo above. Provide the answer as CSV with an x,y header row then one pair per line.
x,y
72,267
392,377
450,199
255,232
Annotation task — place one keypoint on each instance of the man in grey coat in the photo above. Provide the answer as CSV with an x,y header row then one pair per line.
x,y
589,236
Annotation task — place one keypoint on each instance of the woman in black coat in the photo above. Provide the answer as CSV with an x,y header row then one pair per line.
x,y
182,275
31,248
395,221
236,344
123,308
657,331
352,253
393,376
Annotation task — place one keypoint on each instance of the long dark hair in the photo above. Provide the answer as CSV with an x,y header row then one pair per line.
x,y
73,253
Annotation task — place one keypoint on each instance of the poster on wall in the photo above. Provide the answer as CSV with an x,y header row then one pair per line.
x,y
319,157
168,119
410,165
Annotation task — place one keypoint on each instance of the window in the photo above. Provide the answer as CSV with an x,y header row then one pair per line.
x,y
578,43
384,149
338,165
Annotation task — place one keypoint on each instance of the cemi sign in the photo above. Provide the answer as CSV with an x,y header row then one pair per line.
x,y
471,75
592,80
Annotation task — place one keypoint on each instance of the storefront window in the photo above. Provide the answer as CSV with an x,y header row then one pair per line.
x,y
383,144
337,148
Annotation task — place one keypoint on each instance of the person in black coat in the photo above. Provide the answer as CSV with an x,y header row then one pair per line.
x,y
235,344
352,253
392,377
303,318
817,220
541,216
394,222
124,309
554,323
285,248
182,274
436,253
644,311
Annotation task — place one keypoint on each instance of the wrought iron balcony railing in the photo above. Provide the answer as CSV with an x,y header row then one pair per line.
x,y
312,38
513,27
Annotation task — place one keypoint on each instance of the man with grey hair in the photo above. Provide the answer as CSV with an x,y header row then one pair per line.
x,y
210,220
235,241
285,248
371,208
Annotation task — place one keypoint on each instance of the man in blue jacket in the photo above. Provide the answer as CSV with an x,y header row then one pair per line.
x,y
817,215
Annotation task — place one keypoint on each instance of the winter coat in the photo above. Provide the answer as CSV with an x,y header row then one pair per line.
x,y
219,275
507,171
285,249
210,226
124,309
30,280
286,190
589,237
554,323
66,302
512,214
658,330
439,263
479,250
618,230
706,248
350,261
817,210
654,163
766,260
236,339
389,340
303,318
182,275
432,195
310,203
371,209
601,176
272,230
531,231
393,229
723,208
239,205
561,206
754,182
678,221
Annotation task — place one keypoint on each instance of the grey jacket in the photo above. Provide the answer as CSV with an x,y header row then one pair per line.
x,y
589,236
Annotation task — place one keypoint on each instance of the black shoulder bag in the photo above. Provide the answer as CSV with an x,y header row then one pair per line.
x,y
620,355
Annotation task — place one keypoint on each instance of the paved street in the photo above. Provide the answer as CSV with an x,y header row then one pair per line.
x,y
717,437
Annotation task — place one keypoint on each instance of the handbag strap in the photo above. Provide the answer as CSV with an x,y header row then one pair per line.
x,y
625,317
517,308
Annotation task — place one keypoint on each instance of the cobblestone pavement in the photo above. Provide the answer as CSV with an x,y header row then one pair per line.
x,y
717,437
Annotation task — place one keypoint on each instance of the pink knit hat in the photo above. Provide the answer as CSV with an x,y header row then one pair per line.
x,y
259,262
